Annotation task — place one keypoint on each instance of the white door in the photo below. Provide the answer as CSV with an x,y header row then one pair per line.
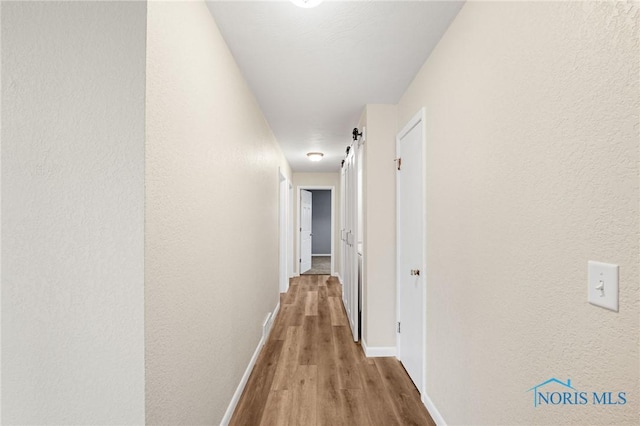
x,y
411,260
305,230
346,288
350,295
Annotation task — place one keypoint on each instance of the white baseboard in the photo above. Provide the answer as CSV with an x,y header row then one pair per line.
x,y
433,411
268,322
377,351
323,255
337,275
273,318
252,362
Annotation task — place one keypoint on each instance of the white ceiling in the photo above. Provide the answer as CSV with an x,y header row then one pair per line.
x,y
314,70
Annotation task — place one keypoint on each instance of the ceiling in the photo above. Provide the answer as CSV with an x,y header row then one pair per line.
x,y
314,70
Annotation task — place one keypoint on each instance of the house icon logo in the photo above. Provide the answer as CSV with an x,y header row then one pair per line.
x,y
539,396
556,392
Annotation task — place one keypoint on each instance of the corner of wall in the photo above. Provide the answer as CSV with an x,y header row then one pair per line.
x,y
379,226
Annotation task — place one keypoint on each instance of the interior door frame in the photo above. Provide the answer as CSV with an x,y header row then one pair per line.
x,y
284,226
418,119
333,222
291,268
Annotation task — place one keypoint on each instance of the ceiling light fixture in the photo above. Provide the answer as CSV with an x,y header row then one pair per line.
x,y
315,156
307,4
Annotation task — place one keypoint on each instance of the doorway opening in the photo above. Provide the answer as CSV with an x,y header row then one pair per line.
x,y
316,227
320,232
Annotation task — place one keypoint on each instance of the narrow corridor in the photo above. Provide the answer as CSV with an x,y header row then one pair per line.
x,y
310,372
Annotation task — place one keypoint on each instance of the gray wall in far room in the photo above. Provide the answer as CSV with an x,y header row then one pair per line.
x,y
321,221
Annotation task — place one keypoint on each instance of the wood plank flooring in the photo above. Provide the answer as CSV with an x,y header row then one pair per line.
x,y
310,372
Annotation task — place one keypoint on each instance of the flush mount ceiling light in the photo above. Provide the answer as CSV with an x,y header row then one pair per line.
x,y
315,156
307,4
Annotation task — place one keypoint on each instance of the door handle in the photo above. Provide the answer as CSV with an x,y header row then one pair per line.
x,y
415,272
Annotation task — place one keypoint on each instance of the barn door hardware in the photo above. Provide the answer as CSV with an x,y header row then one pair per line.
x,y
356,133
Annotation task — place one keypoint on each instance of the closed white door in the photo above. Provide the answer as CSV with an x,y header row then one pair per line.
x,y
346,288
411,273
350,294
305,230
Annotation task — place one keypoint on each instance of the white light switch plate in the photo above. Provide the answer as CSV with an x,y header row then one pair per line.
x,y
603,285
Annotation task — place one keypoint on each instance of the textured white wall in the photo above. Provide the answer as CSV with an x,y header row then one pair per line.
x,y
379,191
1,116
211,261
532,170
73,86
316,179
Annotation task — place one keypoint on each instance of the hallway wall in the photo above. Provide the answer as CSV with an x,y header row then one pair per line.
x,y
73,88
379,239
532,170
211,262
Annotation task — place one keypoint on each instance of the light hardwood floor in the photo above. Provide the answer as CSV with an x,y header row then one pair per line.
x,y
310,372
320,265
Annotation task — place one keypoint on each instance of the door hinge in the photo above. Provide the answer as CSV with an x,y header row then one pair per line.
x,y
300,229
399,161
300,260
398,326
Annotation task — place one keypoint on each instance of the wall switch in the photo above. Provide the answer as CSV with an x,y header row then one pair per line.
x,y
603,285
